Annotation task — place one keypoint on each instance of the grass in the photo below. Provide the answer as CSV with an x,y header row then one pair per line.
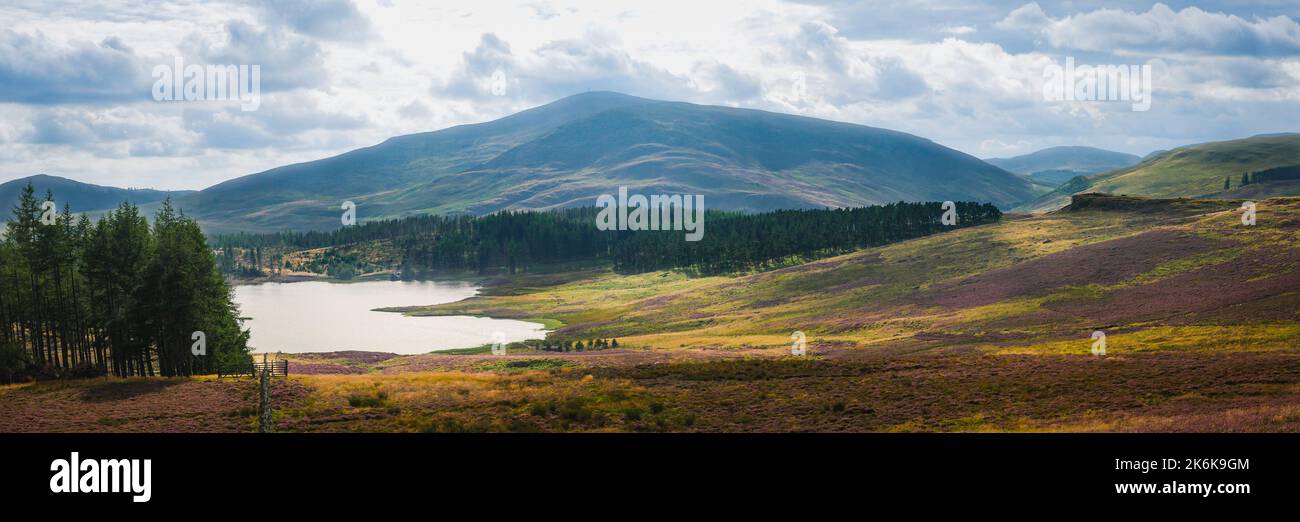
x,y
1162,390
1195,171
521,399
862,296
477,350
1196,338
527,364
712,353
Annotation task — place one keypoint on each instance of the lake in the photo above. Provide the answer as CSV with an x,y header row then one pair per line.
x,y
317,316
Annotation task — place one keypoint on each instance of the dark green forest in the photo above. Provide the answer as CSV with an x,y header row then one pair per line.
x,y
513,241
117,296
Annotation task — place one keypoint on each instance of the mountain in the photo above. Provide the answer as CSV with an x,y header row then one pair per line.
x,y
1192,171
81,197
569,152
1056,165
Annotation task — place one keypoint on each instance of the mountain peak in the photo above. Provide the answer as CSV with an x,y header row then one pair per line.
x,y
567,152
602,95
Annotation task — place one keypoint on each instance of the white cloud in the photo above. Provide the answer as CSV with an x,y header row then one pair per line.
x,y
35,69
327,19
1160,29
287,60
340,75
1028,18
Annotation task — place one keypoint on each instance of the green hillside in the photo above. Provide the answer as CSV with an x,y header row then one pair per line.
x,y
569,152
1192,171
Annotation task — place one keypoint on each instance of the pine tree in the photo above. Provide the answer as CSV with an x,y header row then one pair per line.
x,y
79,298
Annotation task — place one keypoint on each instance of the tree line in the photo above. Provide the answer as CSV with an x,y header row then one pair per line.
x,y
736,242
1283,173
116,296
513,241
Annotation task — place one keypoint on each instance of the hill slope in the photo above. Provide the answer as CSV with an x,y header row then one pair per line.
x,y
1103,260
1191,171
82,197
1056,165
1176,286
569,152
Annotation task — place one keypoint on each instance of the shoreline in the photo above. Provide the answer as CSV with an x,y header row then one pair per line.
x,y
478,284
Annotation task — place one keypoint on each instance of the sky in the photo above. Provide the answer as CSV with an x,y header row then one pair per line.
x,y
78,93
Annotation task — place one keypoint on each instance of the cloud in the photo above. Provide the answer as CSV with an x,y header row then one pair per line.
x,y
228,130
75,82
838,72
59,126
724,83
36,70
557,69
146,148
895,80
282,121
993,147
1028,18
415,110
325,19
288,61
544,10
1191,30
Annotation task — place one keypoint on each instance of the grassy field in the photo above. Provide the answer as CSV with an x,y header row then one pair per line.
x,y
980,329
1193,171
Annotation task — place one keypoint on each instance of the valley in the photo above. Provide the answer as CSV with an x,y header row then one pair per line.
x,y
985,328
817,227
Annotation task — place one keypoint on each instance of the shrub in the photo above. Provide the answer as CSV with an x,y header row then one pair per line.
x,y
14,364
575,410
632,414
84,371
358,400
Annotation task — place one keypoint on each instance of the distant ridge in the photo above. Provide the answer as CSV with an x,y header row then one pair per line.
x,y
1199,170
80,197
1055,165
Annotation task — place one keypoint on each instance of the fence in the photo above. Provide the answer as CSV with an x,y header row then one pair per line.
x,y
275,368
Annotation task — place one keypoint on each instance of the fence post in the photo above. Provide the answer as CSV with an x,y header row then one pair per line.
x,y
264,399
